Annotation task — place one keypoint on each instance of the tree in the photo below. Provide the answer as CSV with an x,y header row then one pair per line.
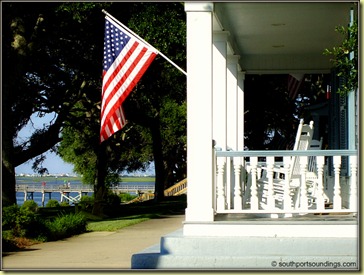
x,y
163,86
345,64
57,47
101,164
156,112
52,73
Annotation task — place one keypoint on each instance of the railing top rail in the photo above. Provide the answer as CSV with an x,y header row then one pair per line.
x,y
182,182
282,153
52,187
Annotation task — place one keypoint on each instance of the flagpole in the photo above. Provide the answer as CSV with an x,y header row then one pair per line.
x,y
133,33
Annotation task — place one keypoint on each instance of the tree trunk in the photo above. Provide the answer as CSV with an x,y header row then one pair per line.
x,y
158,160
100,188
8,168
8,183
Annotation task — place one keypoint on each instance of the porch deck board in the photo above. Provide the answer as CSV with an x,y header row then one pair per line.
x,y
241,218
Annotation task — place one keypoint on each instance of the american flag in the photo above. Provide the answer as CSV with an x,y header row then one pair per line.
x,y
294,84
126,58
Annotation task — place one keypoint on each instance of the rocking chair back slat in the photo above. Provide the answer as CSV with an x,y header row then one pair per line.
x,y
303,141
315,145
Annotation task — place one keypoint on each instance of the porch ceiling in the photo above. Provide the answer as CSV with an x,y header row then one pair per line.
x,y
282,37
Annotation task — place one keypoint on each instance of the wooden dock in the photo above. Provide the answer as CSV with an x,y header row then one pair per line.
x,y
79,189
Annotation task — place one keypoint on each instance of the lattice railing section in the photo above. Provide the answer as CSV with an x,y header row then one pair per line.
x,y
282,183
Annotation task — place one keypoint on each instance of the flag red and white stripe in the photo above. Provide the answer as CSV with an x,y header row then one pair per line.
x,y
126,58
294,84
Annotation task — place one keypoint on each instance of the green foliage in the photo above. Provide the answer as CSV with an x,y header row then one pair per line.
x,y
345,58
86,203
65,226
130,149
78,147
125,197
112,200
55,46
52,203
22,221
9,216
31,205
80,10
64,203
157,103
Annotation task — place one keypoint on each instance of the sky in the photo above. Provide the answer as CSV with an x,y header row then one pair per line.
x,y
53,163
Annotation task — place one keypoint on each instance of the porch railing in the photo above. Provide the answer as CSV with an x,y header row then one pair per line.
x,y
239,186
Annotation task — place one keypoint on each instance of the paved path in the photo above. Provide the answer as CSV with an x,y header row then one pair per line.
x,y
95,250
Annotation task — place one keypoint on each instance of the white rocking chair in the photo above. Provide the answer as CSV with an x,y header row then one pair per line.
x,y
280,174
315,145
311,175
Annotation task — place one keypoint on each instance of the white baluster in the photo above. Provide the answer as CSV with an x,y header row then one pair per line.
x,y
353,183
254,202
337,188
238,199
221,199
270,192
287,199
303,190
320,198
247,184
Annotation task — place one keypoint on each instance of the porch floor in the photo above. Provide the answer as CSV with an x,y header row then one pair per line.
x,y
347,217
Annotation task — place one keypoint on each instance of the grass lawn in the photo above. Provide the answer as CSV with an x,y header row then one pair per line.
x,y
130,214
137,179
116,224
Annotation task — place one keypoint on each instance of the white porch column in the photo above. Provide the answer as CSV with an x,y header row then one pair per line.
x,y
240,144
241,110
219,111
232,121
219,88
232,101
199,112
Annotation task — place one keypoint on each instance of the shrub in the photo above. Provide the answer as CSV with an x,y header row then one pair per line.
x,y
66,225
9,217
52,203
30,205
112,199
22,221
86,203
64,204
125,197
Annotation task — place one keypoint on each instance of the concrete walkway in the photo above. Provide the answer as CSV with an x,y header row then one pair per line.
x,y
95,250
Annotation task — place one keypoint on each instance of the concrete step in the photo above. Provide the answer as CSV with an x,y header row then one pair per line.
x,y
177,251
203,263
177,244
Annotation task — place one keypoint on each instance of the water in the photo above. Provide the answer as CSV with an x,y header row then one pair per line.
x,y
37,196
